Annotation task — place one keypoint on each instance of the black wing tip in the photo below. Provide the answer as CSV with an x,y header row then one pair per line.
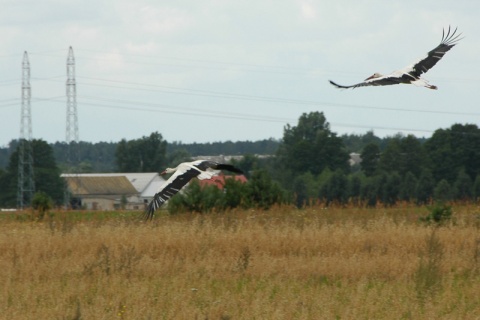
x,y
450,38
151,208
228,167
149,212
236,170
336,85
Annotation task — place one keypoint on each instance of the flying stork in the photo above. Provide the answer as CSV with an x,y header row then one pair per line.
x,y
183,173
412,73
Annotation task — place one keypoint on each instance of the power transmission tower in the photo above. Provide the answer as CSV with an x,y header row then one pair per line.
x,y
71,135
26,186
72,117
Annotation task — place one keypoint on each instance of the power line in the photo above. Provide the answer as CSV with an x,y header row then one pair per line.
x,y
227,95
223,65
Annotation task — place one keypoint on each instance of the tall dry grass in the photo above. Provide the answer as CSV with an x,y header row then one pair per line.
x,y
279,264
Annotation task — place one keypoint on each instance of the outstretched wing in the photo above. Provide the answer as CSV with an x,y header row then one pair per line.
x,y
176,182
381,81
449,40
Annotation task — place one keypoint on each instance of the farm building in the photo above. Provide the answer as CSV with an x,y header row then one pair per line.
x,y
110,191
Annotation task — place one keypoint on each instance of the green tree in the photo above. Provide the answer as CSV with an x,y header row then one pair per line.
x,y
370,157
476,188
408,187
369,193
392,189
452,149
46,175
301,186
311,147
355,188
233,193
443,191
147,154
177,156
196,199
262,192
42,203
336,188
424,188
404,154
463,186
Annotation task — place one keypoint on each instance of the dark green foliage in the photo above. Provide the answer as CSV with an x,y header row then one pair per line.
x,y
46,175
391,192
177,156
335,189
402,155
259,192
443,191
85,157
355,188
147,154
300,190
452,149
196,199
42,203
311,147
266,146
408,187
463,186
424,188
370,157
369,192
439,213
356,143
262,192
232,196
476,188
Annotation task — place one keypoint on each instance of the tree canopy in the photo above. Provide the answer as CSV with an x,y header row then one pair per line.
x,y
46,175
311,146
147,154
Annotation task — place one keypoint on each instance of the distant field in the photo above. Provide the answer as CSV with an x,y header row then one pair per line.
x,y
279,264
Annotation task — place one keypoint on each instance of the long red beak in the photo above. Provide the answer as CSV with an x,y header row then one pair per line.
x,y
163,172
371,77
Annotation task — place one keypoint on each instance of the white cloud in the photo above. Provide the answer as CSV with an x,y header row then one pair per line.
x,y
162,20
307,9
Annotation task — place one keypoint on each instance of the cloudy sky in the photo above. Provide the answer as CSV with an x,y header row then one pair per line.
x,y
212,70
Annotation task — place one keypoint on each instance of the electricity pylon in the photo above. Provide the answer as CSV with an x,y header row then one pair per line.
x,y
26,185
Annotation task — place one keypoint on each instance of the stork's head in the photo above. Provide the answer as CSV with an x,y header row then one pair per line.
x,y
168,170
374,76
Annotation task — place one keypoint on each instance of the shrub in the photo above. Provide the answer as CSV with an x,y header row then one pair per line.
x,y
439,213
42,203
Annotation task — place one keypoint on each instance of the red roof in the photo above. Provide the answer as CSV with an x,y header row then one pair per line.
x,y
219,180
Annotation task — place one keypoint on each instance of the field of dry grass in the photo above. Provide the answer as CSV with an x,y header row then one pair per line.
x,y
279,264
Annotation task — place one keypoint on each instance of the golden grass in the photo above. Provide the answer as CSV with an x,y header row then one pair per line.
x,y
279,264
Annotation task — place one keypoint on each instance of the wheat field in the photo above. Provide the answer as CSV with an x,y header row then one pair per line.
x,y
283,263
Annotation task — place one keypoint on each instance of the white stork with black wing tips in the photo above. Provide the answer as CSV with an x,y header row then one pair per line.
x,y
183,173
412,73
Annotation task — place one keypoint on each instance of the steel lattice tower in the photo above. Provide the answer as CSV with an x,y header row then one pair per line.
x,y
71,133
72,117
26,186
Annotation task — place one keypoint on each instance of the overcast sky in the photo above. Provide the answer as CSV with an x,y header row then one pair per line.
x,y
211,70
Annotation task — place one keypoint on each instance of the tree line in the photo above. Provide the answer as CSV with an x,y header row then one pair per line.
x,y
309,165
88,157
